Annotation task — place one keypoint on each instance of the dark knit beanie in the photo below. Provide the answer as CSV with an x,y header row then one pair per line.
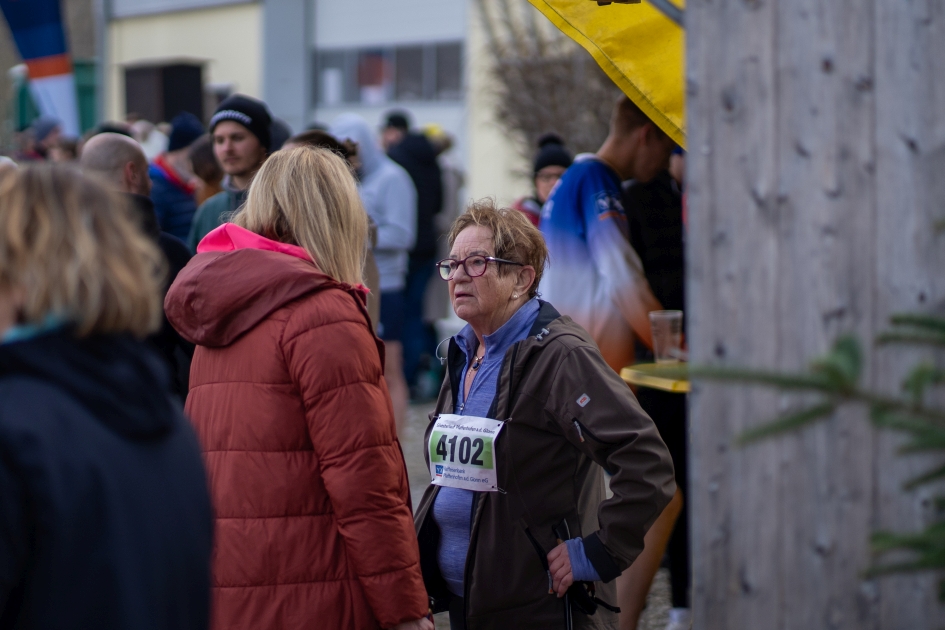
x,y
247,111
185,128
398,120
551,152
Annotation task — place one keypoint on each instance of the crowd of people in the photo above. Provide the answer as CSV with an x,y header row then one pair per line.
x,y
209,336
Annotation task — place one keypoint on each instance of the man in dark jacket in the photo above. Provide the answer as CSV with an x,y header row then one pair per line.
x,y
173,180
416,154
120,163
654,213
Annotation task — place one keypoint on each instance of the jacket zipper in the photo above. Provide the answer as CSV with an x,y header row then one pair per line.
x,y
581,429
542,556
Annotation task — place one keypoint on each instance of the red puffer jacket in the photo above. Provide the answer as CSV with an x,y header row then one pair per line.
x,y
313,524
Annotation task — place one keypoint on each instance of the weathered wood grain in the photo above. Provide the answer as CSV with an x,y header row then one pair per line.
x,y
816,171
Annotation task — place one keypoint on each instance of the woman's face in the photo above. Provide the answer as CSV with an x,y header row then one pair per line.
x,y
545,180
483,300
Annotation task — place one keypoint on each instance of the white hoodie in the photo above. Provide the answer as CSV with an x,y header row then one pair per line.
x,y
388,195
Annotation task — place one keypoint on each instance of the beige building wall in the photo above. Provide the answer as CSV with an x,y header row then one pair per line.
x,y
496,169
228,39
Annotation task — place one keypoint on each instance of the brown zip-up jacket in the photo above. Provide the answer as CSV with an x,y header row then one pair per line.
x,y
568,417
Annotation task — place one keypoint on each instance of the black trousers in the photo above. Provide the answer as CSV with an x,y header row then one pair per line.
x,y
669,415
457,613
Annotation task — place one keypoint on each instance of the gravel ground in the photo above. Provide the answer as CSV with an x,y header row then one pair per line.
x,y
657,606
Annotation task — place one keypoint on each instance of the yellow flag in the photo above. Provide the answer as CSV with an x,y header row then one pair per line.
x,y
640,49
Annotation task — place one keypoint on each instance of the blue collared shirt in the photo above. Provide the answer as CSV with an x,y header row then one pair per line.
x,y
452,510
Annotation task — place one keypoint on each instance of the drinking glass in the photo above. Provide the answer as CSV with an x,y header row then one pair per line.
x,y
667,335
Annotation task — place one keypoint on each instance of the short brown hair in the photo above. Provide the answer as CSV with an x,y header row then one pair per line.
x,y
318,139
627,116
513,236
75,251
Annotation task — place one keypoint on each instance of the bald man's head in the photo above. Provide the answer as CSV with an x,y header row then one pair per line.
x,y
119,161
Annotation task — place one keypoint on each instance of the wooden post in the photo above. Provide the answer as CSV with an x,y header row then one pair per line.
x,y
816,173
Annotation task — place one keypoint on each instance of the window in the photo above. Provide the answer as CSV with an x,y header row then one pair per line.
x,y
377,76
409,72
449,71
374,77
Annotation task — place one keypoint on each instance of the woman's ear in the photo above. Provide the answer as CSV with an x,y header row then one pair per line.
x,y
524,280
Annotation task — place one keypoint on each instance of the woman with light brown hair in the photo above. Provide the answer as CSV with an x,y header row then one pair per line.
x,y
104,513
307,478
515,528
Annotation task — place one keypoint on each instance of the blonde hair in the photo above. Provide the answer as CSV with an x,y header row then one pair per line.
x,y
74,250
308,197
513,236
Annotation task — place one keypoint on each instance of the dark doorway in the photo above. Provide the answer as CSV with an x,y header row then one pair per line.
x,y
160,92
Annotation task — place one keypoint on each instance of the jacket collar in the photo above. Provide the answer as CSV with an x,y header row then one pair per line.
x,y
456,358
546,314
230,237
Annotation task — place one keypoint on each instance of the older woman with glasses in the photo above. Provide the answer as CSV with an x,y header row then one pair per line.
x,y
515,529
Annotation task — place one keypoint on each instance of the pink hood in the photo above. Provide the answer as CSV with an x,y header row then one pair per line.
x,y
236,280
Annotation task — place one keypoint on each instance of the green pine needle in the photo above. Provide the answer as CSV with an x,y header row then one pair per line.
x,y
787,423
919,320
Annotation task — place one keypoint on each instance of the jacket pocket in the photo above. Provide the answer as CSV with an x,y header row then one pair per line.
x,y
541,553
583,434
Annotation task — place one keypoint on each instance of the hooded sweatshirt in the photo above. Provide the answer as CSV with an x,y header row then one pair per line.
x,y
389,197
104,515
309,486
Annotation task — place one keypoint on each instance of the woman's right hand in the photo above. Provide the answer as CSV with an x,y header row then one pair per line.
x,y
423,623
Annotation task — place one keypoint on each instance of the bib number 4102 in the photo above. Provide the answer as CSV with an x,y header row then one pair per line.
x,y
470,450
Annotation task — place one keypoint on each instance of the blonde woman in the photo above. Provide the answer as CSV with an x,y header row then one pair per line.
x,y
104,515
313,521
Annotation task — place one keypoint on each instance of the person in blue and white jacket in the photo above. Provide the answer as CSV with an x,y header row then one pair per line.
x,y
595,276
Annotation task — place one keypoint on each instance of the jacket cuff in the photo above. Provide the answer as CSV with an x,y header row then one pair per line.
x,y
603,562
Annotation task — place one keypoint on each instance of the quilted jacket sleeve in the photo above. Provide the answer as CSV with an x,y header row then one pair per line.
x,y
336,365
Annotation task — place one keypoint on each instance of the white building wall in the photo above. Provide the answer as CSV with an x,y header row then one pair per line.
x,y
132,8
355,23
352,24
228,39
482,149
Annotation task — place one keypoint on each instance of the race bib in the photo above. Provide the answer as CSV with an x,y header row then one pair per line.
x,y
461,452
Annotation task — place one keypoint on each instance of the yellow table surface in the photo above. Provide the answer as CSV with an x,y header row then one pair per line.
x,y
635,376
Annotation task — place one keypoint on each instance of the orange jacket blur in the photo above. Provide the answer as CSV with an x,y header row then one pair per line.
x,y
309,486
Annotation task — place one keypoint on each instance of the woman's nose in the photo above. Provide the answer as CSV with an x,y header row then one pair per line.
x,y
459,274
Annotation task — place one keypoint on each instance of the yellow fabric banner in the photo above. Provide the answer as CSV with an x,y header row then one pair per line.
x,y
639,48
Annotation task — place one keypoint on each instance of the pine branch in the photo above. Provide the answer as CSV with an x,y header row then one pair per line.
x,y
786,423
919,320
912,338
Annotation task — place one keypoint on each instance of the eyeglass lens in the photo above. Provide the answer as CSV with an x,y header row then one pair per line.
x,y
474,266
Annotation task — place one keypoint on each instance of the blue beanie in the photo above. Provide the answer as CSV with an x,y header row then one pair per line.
x,y
43,126
185,128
